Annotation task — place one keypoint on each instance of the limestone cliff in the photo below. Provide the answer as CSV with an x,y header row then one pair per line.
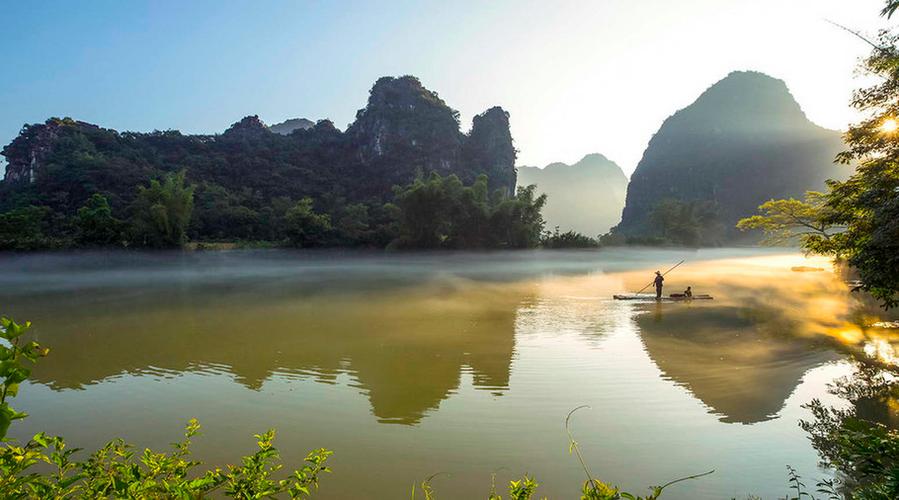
x,y
489,150
407,129
744,141
30,150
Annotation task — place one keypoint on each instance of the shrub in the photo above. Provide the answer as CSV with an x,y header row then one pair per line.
x,y
116,470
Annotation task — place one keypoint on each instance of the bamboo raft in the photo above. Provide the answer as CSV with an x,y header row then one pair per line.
x,y
674,297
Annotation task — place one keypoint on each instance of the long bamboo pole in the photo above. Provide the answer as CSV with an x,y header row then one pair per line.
x,y
663,274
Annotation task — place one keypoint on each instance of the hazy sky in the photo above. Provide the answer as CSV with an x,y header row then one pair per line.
x,y
577,77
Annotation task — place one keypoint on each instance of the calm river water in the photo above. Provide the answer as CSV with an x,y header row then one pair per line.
x,y
463,364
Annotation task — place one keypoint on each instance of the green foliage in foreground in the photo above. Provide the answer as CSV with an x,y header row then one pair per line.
x,y
117,470
13,368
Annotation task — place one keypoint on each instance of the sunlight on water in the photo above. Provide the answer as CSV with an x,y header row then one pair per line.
x,y
463,363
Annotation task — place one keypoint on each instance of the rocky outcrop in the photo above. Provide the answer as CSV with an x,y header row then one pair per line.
x,y
322,132
489,149
28,152
288,126
586,197
404,131
407,129
249,126
744,141
404,118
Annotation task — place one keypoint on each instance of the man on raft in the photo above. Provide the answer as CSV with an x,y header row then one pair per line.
x,y
658,283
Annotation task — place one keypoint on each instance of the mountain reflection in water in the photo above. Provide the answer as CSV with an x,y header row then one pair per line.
x,y
405,351
728,359
478,356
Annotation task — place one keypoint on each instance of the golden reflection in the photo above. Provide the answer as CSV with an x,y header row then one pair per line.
x,y
805,304
772,320
405,347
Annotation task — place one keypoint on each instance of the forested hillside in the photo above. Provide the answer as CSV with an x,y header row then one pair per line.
x,y
244,182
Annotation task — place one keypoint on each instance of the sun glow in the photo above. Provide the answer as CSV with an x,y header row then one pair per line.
x,y
889,125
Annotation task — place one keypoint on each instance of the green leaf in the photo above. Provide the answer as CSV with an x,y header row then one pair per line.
x,y
41,439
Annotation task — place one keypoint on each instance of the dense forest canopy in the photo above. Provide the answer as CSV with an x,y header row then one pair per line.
x,y
250,182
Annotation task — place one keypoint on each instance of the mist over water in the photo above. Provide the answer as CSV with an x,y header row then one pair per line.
x,y
464,363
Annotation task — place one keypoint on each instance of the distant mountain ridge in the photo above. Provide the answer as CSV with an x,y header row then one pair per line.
x,y
288,126
744,140
586,197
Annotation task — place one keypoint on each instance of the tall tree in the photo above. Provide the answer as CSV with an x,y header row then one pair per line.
x,y
441,212
517,222
865,207
867,204
161,212
24,228
305,227
425,209
96,224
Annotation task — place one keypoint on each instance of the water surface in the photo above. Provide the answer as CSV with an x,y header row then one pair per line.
x,y
460,363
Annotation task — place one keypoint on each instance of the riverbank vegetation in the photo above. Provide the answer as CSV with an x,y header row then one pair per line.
x,y
434,212
568,239
674,222
856,220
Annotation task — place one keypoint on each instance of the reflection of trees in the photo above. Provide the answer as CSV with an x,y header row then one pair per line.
x,y
872,391
738,361
860,441
405,348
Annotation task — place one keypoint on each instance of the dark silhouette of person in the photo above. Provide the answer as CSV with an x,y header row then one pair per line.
x,y
688,293
658,283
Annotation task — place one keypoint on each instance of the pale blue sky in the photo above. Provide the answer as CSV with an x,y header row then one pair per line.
x,y
576,76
